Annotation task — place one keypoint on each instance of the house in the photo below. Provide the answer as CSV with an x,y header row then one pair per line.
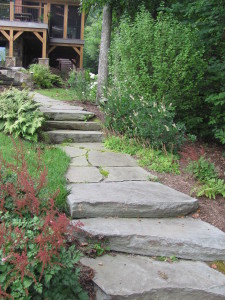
x,y
41,30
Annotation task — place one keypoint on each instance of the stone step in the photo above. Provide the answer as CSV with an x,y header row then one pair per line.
x,y
141,278
67,115
185,238
73,136
128,200
72,125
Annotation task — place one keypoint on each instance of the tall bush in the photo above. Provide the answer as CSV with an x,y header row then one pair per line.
x,y
160,62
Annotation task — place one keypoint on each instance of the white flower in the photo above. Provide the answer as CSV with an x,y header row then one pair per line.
x,y
92,76
167,128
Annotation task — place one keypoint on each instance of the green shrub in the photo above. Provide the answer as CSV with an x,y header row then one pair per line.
x,y
210,185
159,63
145,119
202,169
43,77
83,84
19,114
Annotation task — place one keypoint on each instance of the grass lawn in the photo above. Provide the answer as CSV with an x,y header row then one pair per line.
x,y
58,94
54,159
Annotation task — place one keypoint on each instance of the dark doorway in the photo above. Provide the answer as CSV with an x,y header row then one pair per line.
x,y
32,49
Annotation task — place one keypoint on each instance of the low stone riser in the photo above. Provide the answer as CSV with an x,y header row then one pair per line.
x,y
132,199
184,238
66,116
113,209
56,137
70,125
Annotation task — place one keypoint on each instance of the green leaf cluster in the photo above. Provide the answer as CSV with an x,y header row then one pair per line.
x,y
210,185
19,114
44,78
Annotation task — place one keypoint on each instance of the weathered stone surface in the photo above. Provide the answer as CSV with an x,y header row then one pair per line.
x,y
141,278
128,199
111,159
79,161
61,136
64,107
128,174
73,125
83,174
67,115
185,238
89,146
72,151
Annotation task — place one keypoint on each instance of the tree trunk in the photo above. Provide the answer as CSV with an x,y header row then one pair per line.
x,y
104,49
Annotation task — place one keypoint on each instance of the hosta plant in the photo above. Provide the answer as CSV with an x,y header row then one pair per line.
x,y
19,114
35,260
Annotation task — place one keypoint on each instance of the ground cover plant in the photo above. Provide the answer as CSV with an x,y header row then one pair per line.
x,y
44,78
55,160
36,262
19,114
204,171
161,161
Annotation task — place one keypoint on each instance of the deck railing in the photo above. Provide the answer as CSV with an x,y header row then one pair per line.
x,y
23,13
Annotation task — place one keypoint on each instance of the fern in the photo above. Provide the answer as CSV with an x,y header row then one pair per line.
x,y
212,188
19,114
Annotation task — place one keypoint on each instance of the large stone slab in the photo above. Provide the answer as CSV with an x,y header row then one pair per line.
x,y
79,161
73,152
141,278
67,115
83,174
62,136
128,199
111,159
72,125
127,174
185,238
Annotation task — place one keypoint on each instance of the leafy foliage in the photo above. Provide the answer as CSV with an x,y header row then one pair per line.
x,y
209,184
208,17
55,160
19,114
145,96
36,263
43,77
83,84
157,160
202,169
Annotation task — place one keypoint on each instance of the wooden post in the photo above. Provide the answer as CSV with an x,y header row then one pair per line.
x,y
11,43
65,21
11,11
81,57
45,14
82,26
44,44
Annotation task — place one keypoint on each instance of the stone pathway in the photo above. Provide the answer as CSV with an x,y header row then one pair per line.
x,y
141,220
